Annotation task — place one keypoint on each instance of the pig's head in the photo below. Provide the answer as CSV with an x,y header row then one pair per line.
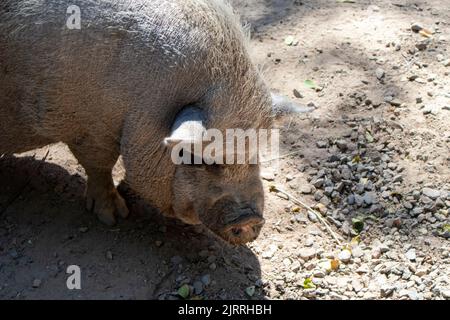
x,y
226,198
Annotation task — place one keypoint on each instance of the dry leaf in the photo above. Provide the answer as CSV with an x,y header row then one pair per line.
x,y
335,264
426,33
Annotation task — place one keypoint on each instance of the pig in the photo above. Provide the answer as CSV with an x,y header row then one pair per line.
x,y
125,83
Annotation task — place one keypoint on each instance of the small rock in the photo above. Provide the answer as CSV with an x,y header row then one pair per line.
x,y
309,242
268,175
386,290
370,198
297,94
269,253
319,183
376,253
445,294
345,256
431,109
321,208
379,73
416,27
357,252
307,253
431,193
411,254
306,189
198,287
413,295
422,46
342,145
395,103
322,144
362,270
206,279
37,283
312,217
357,285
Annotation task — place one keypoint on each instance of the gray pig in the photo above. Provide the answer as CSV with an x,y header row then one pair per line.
x,y
125,82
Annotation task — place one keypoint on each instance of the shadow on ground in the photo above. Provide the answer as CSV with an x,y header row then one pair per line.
x,y
44,228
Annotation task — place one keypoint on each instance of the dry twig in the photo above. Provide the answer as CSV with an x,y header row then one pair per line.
x,y
296,201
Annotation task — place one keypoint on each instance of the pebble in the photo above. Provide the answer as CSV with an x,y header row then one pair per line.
x,y
297,94
345,256
357,252
445,294
431,193
362,270
198,287
370,198
411,255
322,144
312,217
321,208
386,290
309,242
268,175
307,253
206,279
357,285
270,252
379,73
416,27
376,253
306,189
37,283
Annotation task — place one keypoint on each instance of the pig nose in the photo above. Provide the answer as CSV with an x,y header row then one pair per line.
x,y
254,227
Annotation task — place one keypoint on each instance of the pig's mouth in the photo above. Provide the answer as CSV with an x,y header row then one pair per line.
x,y
242,230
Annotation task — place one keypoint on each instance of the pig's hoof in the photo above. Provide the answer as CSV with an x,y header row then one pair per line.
x,y
106,205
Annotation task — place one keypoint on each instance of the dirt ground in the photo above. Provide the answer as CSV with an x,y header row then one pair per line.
x,y
376,149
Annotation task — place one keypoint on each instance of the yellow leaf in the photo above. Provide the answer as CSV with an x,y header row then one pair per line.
x,y
335,265
426,33
356,240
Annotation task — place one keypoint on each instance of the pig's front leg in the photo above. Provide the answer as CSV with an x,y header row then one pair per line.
x,y
102,197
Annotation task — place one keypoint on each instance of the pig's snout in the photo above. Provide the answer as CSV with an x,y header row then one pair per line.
x,y
244,228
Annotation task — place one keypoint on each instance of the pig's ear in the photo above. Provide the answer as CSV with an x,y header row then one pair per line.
x,y
282,106
188,127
